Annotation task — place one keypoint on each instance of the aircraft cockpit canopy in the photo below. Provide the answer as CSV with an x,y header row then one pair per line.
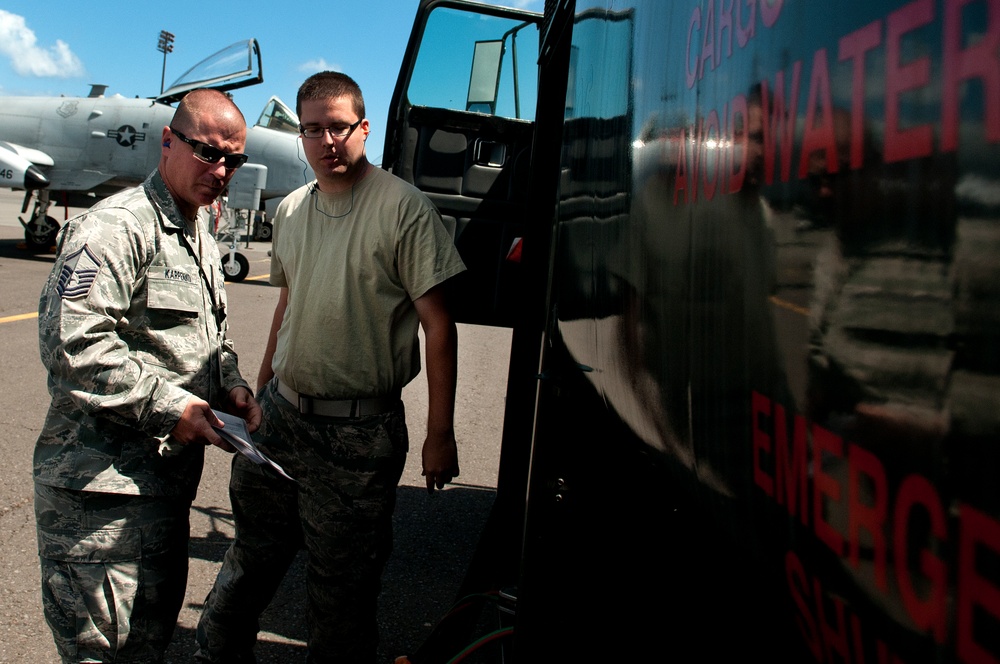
x,y
235,66
277,115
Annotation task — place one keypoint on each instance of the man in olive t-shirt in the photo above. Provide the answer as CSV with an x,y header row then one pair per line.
x,y
360,257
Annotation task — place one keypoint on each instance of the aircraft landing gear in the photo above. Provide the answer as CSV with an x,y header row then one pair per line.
x,y
41,229
235,266
262,229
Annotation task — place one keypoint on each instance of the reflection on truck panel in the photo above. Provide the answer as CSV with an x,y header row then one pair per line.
x,y
768,395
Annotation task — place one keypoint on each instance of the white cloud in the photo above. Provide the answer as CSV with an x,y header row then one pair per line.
x,y
318,65
18,42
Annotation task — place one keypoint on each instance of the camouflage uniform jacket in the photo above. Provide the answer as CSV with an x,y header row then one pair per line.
x,y
131,323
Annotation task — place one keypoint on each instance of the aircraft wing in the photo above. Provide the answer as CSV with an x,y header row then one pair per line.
x,y
65,179
36,157
28,168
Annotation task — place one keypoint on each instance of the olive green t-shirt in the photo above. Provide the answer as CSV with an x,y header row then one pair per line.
x,y
353,263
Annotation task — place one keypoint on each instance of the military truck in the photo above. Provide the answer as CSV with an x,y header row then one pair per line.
x,y
749,250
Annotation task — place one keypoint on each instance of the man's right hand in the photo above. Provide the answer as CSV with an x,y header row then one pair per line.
x,y
195,426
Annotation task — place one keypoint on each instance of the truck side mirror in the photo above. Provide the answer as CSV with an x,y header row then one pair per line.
x,y
484,80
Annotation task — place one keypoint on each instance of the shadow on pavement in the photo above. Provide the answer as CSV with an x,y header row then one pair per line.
x,y
15,249
435,536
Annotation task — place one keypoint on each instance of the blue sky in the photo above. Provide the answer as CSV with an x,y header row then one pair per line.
x,y
59,48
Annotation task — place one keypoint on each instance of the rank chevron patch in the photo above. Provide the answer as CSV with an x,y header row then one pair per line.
x,y
78,274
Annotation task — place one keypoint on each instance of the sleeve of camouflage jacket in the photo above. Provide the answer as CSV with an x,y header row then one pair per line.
x,y
83,338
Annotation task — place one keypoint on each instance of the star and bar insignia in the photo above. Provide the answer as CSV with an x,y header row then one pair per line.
x,y
126,135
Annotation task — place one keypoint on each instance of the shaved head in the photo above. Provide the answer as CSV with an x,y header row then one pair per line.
x,y
203,117
201,103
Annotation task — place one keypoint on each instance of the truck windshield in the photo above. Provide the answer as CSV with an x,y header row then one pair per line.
x,y
501,80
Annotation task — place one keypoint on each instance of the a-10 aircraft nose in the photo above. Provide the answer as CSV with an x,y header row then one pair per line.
x,y
34,179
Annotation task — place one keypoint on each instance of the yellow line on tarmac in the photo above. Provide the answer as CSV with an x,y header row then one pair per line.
x,y
11,319
34,314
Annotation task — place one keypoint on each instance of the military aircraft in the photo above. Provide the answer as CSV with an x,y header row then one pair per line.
x,y
75,150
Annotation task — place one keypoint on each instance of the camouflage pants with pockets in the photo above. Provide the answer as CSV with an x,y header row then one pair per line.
x,y
339,509
114,568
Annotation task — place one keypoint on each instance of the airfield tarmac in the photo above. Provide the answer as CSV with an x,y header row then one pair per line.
x,y
434,535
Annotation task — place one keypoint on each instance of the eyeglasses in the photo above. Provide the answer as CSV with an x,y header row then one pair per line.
x,y
336,131
211,154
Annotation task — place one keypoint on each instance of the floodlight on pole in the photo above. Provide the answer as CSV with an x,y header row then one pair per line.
x,y
165,45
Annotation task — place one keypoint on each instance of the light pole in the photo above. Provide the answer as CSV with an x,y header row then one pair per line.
x,y
165,45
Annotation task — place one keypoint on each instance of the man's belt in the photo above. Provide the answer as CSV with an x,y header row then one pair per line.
x,y
308,405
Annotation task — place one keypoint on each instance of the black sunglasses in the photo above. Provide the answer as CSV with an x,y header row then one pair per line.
x,y
210,154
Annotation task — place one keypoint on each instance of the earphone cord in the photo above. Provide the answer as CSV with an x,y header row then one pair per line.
x,y
315,188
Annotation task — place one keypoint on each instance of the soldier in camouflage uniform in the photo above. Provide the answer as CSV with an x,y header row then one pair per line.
x,y
132,330
360,257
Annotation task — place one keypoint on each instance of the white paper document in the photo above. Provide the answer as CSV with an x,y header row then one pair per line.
x,y
236,434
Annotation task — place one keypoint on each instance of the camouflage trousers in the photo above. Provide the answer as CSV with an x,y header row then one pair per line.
x,y
114,569
339,509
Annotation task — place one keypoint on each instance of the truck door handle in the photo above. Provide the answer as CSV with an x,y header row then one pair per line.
x,y
490,153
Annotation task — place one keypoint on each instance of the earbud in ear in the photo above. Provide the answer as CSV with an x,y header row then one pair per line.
x,y
166,144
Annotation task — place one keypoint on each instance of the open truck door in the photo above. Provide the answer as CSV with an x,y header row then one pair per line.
x,y
479,123
461,126
476,123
